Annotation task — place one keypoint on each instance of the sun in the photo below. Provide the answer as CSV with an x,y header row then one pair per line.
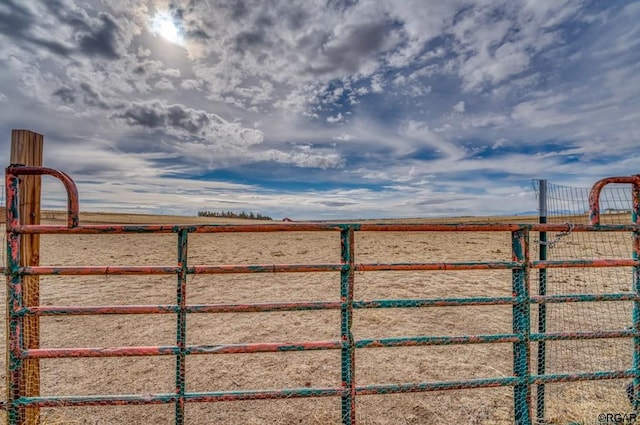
x,y
164,26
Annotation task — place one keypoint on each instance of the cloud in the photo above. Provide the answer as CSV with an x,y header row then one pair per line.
x,y
421,132
302,159
101,39
386,107
182,121
335,119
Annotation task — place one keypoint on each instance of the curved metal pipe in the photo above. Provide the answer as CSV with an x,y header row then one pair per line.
x,y
594,195
73,209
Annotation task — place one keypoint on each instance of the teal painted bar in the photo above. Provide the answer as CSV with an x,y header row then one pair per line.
x,y
433,302
635,219
437,340
346,321
521,327
437,386
15,303
542,307
181,332
221,396
583,376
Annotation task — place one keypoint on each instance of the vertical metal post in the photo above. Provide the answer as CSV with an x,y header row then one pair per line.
x,y
521,327
27,149
346,321
635,216
542,307
181,334
15,303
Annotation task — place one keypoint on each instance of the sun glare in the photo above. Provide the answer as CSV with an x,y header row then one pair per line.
x,y
164,26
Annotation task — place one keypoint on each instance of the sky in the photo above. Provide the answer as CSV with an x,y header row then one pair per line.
x,y
331,109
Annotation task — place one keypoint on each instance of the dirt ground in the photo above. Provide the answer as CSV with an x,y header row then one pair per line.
x,y
577,402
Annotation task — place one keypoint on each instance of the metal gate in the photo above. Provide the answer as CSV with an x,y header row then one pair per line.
x,y
522,337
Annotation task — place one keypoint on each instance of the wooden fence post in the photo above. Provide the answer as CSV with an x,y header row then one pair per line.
x,y
26,149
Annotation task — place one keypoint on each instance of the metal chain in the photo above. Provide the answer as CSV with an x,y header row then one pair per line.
x,y
558,236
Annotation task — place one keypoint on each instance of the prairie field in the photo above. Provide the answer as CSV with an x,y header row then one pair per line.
x,y
566,403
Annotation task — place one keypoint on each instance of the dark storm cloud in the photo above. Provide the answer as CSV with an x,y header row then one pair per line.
x,y
239,10
341,4
86,92
101,40
337,204
155,115
363,41
73,18
18,22
92,97
248,40
66,94
187,119
257,37
297,19
143,115
97,38
197,33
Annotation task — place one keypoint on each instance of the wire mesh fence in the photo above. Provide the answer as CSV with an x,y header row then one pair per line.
x,y
571,206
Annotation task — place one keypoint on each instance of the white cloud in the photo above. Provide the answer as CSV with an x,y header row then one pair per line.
x,y
335,119
421,133
164,84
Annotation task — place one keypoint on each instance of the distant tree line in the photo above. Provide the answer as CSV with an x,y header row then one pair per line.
x,y
231,214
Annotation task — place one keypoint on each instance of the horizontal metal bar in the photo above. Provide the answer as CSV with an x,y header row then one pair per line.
x,y
548,264
43,353
316,305
549,299
584,376
436,340
436,386
486,265
171,228
95,400
102,309
53,353
118,400
97,270
263,394
493,227
489,382
310,268
59,353
266,268
194,397
172,308
265,347
434,302
578,335
321,227
148,270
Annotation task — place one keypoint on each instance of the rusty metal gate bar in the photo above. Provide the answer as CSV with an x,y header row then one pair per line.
x,y
521,336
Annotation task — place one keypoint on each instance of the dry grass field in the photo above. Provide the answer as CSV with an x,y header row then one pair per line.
x,y
580,403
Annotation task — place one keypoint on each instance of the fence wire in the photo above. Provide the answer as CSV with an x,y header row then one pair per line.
x,y
571,205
